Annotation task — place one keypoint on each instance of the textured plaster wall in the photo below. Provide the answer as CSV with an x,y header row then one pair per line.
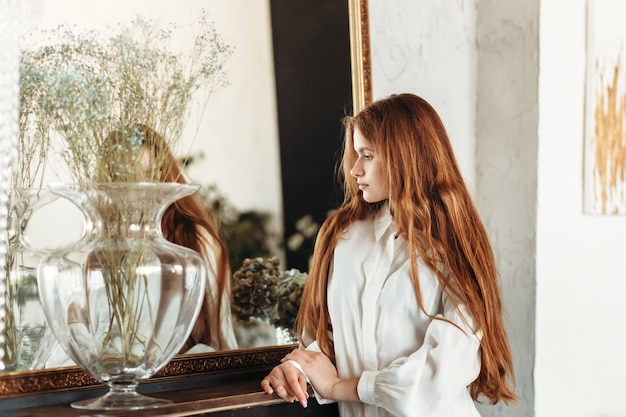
x,y
477,63
427,47
507,39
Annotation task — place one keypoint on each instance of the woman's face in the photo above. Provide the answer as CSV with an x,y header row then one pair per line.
x,y
368,170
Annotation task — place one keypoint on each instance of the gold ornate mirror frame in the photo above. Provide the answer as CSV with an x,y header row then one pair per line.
x,y
360,54
23,383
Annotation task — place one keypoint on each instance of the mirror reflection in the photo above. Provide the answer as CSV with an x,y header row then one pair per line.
x,y
253,145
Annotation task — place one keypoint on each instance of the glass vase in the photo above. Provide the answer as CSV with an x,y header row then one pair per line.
x,y
28,340
123,300
285,336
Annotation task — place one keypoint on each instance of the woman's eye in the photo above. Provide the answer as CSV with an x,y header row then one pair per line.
x,y
367,157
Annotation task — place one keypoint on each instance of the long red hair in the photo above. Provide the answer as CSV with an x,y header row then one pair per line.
x,y
434,212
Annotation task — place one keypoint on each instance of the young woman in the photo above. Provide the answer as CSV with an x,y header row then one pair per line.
x,y
401,313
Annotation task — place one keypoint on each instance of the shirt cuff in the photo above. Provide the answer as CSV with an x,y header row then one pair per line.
x,y
297,365
319,399
365,387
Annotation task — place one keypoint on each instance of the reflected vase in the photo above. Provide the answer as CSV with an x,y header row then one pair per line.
x,y
28,340
285,336
123,300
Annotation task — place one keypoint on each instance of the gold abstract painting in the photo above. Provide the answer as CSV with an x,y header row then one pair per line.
x,y
605,109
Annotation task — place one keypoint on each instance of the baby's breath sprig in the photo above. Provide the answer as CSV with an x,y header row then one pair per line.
x,y
84,85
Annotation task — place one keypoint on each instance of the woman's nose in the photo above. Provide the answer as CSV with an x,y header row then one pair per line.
x,y
356,170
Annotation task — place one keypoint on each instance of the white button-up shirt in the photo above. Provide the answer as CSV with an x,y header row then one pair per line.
x,y
408,363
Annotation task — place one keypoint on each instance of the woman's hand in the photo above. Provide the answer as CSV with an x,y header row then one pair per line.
x,y
322,374
287,382
290,384
318,368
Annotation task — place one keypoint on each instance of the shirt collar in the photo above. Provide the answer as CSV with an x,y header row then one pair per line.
x,y
383,222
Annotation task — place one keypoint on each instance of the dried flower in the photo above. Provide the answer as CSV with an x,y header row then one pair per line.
x,y
306,231
262,291
255,288
83,86
290,288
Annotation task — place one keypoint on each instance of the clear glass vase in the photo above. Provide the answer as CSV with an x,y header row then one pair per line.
x,y
28,340
123,300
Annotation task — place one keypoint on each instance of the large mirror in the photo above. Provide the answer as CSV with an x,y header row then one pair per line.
x,y
276,126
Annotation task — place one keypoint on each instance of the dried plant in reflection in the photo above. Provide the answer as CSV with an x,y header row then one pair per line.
x,y
83,85
262,291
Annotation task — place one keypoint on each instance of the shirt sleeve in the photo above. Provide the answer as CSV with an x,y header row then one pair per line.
x,y
429,380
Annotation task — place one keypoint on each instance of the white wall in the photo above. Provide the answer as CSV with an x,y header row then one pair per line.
x,y
427,47
581,286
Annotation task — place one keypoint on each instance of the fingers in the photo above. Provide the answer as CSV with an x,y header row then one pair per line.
x,y
287,383
267,386
278,389
297,382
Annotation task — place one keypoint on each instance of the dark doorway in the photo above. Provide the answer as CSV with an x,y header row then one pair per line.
x,y
314,91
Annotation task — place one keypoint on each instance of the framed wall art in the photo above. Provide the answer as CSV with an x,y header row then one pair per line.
x,y
605,109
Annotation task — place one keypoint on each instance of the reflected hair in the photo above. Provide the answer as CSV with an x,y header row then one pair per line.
x,y
186,222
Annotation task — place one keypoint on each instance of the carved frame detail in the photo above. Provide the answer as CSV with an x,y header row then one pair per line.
x,y
17,384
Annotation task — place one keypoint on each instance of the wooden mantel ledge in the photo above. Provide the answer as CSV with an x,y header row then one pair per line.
x,y
188,402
